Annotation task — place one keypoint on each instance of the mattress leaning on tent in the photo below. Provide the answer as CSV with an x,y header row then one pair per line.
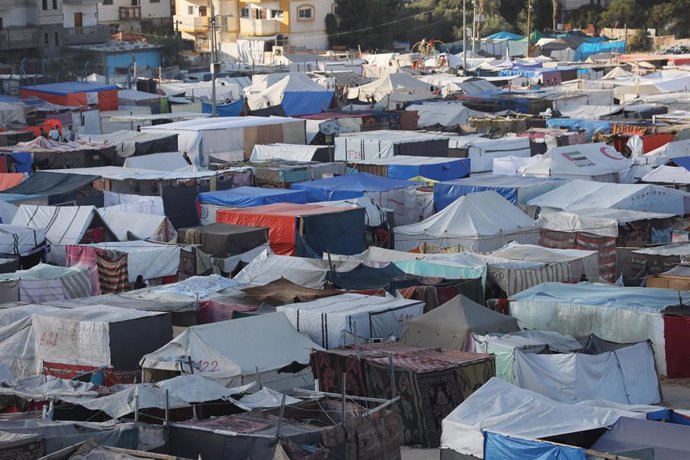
x,y
481,222
237,352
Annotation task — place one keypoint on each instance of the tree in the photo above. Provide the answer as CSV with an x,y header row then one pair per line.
x,y
623,13
555,5
586,15
369,24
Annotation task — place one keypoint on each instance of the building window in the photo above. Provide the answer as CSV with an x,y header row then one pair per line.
x,y
277,14
45,5
107,2
202,11
135,2
244,13
155,1
190,10
46,39
305,13
55,5
260,13
0,23
57,39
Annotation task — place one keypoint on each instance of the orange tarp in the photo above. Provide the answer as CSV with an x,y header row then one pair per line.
x,y
9,180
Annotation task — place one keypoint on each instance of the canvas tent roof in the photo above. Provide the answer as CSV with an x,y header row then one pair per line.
x,y
333,321
665,153
447,326
150,260
163,161
43,185
668,440
581,161
504,408
392,89
350,186
668,175
237,348
579,194
118,173
20,240
309,96
290,152
137,226
480,221
448,114
127,142
603,222
63,225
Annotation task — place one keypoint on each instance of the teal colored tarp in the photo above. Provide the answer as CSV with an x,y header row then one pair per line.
x,y
586,50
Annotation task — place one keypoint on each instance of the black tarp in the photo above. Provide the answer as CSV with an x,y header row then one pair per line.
x,y
224,240
53,188
337,233
390,278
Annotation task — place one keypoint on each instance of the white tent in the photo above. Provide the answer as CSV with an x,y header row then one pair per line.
x,y
483,151
602,222
668,175
370,145
224,89
233,352
45,283
261,96
19,240
128,226
598,162
230,138
660,156
289,152
63,225
392,89
504,408
563,369
481,221
448,114
580,194
166,161
305,272
336,321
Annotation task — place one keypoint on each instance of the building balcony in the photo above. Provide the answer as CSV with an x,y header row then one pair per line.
x,y
19,38
86,35
191,24
259,27
130,12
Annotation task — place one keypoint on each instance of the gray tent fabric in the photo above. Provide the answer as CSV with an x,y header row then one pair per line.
x,y
448,325
669,441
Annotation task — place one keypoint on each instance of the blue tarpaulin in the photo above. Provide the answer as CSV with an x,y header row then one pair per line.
x,y
683,162
70,87
506,186
501,447
306,102
246,197
590,127
454,168
586,50
23,161
349,186
234,109
503,35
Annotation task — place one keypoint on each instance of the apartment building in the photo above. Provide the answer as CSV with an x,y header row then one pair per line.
x,y
291,23
134,15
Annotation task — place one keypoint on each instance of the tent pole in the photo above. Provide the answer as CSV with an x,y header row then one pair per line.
x,y
392,376
343,382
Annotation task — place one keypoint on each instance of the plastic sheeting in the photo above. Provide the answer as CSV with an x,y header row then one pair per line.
x,y
405,167
482,151
668,175
481,222
501,447
150,260
516,189
392,89
333,321
122,202
504,408
602,222
370,145
580,194
669,441
245,197
586,50
285,152
127,226
233,352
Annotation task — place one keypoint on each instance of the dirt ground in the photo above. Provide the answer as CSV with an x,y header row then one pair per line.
x,y
676,395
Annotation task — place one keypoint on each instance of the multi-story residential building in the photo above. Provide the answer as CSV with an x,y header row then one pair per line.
x,y
292,23
134,15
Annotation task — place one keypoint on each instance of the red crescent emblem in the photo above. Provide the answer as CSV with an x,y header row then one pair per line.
x,y
606,154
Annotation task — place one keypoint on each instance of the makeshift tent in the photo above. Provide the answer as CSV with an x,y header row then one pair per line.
x,y
45,283
127,226
74,94
342,320
391,90
47,188
405,167
9,180
665,441
398,195
504,408
449,325
21,240
132,143
72,341
310,273
296,94
598,162
564,369
291,152
635,264
247,197
580,194
674,175
224,240
482,151
370,145
299,229
63,226
239,351
676,278
446,114
230,138
224,109
430,382
616,314
479,221
516,189
166,161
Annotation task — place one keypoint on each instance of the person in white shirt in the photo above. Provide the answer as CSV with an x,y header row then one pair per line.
x,y
54,134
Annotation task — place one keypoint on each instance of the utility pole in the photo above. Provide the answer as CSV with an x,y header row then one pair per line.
x,y
464,39
529,23
214,61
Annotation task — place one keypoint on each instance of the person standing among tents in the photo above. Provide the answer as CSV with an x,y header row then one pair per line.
x,y
68,135
54,134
